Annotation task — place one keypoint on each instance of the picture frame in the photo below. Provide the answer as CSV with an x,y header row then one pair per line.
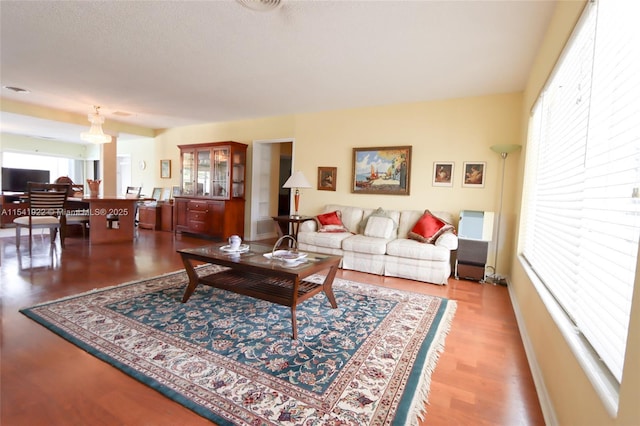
x,y
473,173
156,194
442,173
165,169
166,194
175,191
327,178
381,170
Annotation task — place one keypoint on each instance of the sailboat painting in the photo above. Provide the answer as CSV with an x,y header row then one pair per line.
x,y
381,170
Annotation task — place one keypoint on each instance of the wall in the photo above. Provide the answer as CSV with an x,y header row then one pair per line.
x,y
28,145
450,130
570,394
149,177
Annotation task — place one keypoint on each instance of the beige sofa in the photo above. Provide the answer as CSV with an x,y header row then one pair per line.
x,y
376,252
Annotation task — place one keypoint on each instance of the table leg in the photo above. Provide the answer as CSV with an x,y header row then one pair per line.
x,y
327,286
294,322
193,279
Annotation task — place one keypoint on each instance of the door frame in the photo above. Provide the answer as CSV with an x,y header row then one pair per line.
x,y
256,170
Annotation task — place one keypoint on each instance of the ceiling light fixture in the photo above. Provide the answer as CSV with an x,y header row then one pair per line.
x,y
95,133
260,5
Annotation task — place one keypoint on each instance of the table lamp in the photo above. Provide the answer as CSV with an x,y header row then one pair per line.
x,y
297,180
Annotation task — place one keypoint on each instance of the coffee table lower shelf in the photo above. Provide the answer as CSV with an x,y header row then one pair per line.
x,y
270,288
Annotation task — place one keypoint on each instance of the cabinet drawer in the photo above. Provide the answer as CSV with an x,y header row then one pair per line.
x,y
198,226
198,206
197,216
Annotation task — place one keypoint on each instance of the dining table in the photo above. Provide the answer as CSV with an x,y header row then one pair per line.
x,y
101,210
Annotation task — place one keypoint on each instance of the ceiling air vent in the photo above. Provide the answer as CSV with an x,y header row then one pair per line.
x,y
260,5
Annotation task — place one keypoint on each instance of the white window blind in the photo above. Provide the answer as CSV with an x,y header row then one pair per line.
x,y
581,208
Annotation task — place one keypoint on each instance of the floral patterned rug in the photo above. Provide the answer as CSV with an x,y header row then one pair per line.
x,y
231,359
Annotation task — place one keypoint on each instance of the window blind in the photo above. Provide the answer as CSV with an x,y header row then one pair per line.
x,y
581,208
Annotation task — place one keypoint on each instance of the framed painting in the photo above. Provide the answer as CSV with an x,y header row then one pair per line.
x,y
474,172
165,169
442,174
175,191
381,170
156,194
327,178
166,194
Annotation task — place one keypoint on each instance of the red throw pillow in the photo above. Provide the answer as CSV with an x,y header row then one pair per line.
x,y
429,228
331,222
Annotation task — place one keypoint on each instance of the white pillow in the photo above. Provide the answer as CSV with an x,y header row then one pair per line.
x,y
379,227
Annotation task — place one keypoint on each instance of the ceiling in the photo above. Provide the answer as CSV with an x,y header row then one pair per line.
x,y
163,64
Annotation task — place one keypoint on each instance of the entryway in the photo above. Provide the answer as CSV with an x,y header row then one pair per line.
x,y
272,166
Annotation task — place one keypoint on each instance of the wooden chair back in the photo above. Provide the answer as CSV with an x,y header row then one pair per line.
x,y
133,191
47,199
47,209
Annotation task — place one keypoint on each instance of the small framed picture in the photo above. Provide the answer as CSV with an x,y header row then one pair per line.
x,y
165,169
175,191
166,194
474,172
442,174
327,178
156,194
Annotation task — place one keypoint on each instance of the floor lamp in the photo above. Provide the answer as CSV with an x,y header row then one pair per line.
x,y
297,180
503,150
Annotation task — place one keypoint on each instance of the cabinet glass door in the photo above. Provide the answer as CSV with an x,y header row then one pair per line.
x,y
237,188
188,171
220,181
204,173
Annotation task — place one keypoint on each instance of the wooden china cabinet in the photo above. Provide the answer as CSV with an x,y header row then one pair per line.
x,y
212,196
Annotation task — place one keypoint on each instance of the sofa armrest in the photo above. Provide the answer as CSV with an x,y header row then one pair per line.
x,y
447,240
308,226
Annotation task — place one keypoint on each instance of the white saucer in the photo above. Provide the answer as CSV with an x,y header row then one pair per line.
x,y
243,248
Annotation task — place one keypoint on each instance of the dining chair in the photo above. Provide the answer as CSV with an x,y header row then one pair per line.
x,y
75,217
46,209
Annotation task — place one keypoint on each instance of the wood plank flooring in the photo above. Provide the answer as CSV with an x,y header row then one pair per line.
x,y
482,377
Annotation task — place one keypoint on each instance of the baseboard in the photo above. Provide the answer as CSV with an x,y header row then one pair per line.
x,y
546,405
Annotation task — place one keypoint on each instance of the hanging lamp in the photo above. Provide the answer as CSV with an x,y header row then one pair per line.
x,y
95,133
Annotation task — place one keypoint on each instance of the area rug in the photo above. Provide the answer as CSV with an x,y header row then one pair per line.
x,y
232,360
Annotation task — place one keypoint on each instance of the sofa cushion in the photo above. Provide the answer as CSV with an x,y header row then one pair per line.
x,y
379,212
331,222
412,249
429,228
330,240
379,226
362,244
351,216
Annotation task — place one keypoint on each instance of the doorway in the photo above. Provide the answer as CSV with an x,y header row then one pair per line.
x,y
272,166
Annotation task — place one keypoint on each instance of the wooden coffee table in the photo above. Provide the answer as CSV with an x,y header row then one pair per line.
x,y
252,274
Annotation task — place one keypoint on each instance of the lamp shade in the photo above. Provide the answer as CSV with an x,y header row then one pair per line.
x,y
297,180
505,148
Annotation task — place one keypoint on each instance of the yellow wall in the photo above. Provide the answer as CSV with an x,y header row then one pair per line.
x,y
454,130
571,394
29,145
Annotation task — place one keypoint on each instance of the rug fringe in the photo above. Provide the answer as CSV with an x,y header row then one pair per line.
x,y
418,405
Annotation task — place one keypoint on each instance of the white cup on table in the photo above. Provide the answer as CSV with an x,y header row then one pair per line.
x,y
234,242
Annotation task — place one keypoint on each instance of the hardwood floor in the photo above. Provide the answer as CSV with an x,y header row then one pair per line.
x,y
482,377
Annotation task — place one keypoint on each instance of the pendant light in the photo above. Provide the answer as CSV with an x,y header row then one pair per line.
x,y
95,133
